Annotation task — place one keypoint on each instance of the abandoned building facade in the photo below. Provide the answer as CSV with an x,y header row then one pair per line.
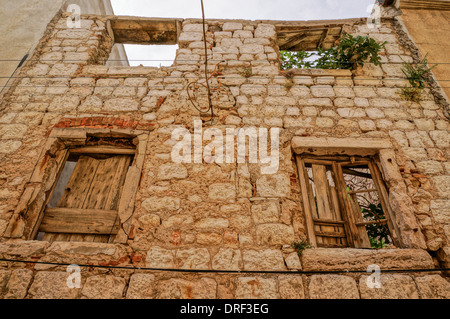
x,y
87,175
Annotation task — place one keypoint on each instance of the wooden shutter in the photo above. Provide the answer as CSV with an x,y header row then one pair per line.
x,y
87,210
321,202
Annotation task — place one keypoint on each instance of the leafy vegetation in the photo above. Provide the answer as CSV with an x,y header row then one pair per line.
x,y
416,75
351,52
378,233
300,246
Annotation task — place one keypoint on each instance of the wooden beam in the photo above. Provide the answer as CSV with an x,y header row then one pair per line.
x,y
322,38
103,150
356,173
294,41
79,221
378,221
331,234
362,191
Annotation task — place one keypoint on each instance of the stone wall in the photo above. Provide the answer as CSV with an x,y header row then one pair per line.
x,y
231,217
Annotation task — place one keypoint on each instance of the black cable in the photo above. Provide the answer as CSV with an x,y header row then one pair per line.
x,y
294,272
15,70
206,63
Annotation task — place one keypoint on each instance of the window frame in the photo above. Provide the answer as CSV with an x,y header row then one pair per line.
x,y
354,229
29,212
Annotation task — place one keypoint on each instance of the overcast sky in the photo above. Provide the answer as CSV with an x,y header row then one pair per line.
x,y
232,9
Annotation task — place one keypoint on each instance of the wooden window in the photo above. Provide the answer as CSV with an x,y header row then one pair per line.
x,y
84,203
345,202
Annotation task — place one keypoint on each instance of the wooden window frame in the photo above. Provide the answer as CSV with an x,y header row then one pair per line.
x,y
354,227
29,213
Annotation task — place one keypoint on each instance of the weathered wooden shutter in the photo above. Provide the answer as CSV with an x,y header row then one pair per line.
x,y
322,204
332,211
87,210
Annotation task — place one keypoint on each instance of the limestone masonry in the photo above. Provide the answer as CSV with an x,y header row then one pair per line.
x,y
217,216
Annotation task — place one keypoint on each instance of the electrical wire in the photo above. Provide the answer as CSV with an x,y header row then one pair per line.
x,y
293,272
207,78
15,70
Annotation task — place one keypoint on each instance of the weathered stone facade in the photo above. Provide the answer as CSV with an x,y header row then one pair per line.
x,y
220,216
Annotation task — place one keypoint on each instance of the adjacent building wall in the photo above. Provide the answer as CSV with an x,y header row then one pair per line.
x,y
428,24
23,23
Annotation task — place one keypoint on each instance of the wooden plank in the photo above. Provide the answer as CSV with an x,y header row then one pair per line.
x,y
77,188
107,185
378,221
351,229
328,222
79,221
363,191
104,150
384,199
293,41
303,179
362,232
331,234
323,197
356,173
318,162
322,39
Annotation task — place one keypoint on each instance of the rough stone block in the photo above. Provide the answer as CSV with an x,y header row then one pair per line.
x,y
84,249
52,285
291,287
222,192
23,248
155,204
269,259
104,287
392,287
256,288
274,234
158,257
276,185
141,286
204,288
265,212
333,287
18,284
227,259
193,258
359,259
433,287
172,171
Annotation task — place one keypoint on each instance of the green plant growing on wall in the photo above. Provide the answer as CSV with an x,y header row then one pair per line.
x,y
300,246
246,72
416,74
298,59
349,54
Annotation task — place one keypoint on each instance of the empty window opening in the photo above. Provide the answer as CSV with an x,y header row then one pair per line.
x,y
144,42
84,203
299,44
151,55
346,203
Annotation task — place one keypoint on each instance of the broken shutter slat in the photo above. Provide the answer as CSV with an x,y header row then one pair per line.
x,y
303,178
74,193
323,199
106,187
79,221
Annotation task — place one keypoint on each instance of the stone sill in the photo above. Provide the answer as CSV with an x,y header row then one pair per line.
x,y
342,259
102,70
319,72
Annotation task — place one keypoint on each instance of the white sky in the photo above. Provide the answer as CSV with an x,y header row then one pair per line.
x,y
231,9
